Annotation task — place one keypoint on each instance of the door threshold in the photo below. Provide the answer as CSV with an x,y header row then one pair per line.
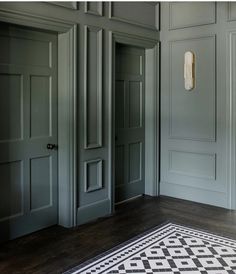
x,y
128,200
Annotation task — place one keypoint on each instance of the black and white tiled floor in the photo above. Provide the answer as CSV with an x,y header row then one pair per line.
x,y
170,249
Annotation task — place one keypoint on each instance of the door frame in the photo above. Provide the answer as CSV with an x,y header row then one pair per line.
x,y
151,48
231,120
67,105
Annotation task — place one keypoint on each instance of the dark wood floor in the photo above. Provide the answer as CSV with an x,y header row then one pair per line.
x,y
56,249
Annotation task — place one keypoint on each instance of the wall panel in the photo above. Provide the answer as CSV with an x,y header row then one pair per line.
x,y
193,123
93,44
198,165
190,14
93,175
192,113
143,14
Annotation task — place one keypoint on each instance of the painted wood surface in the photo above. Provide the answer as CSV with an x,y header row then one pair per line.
x,y
28,123
217,22
91,204
185,15
143,14
197,129
129,122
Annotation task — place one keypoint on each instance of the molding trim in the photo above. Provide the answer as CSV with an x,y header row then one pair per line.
x,y
66,4
36,21
171,136
67,108
172,27
116,37
135,23
99,32
99,11
99,164
67,115
133,40
229,14
200,195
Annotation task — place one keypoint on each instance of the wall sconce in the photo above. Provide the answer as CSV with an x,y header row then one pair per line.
x,y
189,70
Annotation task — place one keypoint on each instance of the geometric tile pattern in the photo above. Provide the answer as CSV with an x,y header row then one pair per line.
x,y
170,249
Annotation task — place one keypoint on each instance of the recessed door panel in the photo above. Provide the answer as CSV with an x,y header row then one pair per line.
x,y
28,121
11,107
129,116
120,104
40,106
40,182
135,163
135,104
120,165
93,69
11,175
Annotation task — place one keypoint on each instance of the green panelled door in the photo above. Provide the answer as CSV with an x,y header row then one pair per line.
x,y
129,122
28,123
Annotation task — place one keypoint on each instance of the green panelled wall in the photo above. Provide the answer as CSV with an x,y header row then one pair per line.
x,y
95,21
197,126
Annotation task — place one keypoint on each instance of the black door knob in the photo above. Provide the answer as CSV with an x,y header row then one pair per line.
x,y
52,146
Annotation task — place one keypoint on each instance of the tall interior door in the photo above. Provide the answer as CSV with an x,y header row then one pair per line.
x,y
28,123
129,122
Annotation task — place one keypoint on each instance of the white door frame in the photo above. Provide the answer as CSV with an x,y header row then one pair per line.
x,y
151,110
67,106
